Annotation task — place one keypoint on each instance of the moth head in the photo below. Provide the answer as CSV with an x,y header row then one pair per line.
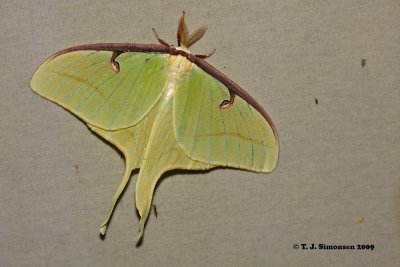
x,y
184,39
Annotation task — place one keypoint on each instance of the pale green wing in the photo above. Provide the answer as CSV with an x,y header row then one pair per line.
x,y
150,145
237,137
163,153
132,142
84,83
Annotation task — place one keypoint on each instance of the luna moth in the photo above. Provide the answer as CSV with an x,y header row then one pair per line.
x,y
163,107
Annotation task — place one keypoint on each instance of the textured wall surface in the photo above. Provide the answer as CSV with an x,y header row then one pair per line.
x,y
337,181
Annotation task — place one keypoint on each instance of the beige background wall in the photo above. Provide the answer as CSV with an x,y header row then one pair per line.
x,y
339,159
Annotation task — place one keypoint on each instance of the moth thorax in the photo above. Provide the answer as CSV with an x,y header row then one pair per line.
x,y
179,65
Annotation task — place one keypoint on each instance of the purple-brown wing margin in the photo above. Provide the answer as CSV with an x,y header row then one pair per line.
x,y
233,88
159,48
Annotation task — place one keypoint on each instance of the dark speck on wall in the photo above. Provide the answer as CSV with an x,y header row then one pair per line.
x,y
363,62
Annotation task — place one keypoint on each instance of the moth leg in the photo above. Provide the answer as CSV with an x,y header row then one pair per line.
x,y
155,210
114,64
228,103
203,56
161,41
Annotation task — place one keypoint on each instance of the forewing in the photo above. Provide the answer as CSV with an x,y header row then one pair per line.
x,y
238,136
84,83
